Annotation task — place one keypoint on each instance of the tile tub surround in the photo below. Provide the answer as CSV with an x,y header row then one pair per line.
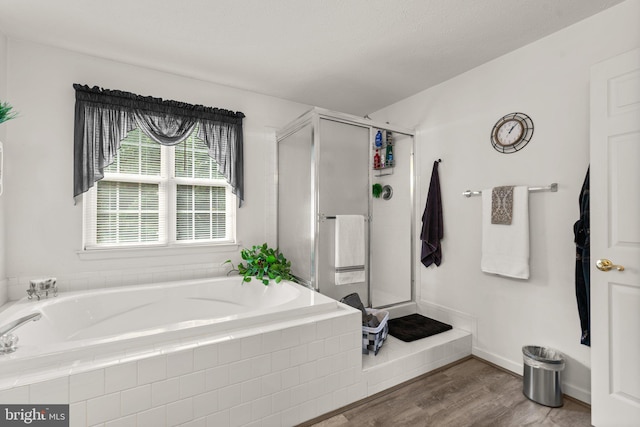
x,y
78,328
279,374
270,377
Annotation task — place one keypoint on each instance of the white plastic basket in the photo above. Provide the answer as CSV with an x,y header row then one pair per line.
x,y
373,338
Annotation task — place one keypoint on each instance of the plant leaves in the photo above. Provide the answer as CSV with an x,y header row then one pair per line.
x,y
6,113
264,263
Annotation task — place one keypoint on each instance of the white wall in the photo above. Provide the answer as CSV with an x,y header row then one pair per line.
x,y
44,228
549,80
3,98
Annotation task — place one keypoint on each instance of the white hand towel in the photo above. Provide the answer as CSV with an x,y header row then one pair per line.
x,y
349,249
505,248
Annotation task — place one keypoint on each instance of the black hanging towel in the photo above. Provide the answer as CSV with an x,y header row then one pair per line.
x,y
581,231
432,229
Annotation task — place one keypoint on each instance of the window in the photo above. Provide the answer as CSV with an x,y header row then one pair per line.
x,y
156,195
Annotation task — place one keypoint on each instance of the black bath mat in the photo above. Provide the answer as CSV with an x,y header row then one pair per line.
x,y
414,327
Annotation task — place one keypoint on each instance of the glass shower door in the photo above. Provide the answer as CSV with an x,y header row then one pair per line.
x,y
391,230
343,189
295,192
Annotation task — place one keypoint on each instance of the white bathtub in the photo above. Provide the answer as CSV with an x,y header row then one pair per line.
x,y
108,325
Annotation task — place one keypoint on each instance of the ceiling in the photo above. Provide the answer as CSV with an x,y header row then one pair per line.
x,y
354,56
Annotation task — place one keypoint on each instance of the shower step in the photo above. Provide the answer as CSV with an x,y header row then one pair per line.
x,y
399,361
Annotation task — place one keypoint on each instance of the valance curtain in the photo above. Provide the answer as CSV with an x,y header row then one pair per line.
x,y
104,117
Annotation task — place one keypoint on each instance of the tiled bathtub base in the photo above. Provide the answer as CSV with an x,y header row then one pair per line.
x,y
279,377
275,375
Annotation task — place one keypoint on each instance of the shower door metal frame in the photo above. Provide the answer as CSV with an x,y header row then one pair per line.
x,y
298,124
313,118
412,232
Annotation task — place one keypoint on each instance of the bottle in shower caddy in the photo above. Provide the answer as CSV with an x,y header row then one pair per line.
x,y
379,139
376,160
389,155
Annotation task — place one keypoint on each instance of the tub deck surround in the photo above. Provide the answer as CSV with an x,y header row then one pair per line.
x,y
281,374
79,329
277,355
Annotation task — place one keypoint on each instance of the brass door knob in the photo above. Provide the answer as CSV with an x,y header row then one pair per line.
x,y
606,265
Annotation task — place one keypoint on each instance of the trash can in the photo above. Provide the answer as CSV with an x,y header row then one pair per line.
x,y
542,379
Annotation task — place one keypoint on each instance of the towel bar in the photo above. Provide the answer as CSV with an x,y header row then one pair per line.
x,y
349,269
322,217
553,188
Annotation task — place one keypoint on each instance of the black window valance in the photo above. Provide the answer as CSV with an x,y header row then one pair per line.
x,y
103,118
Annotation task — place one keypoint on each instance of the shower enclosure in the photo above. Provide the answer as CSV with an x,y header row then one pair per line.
x,y
326,173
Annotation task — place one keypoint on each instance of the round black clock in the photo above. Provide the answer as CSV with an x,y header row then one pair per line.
x,y
512,132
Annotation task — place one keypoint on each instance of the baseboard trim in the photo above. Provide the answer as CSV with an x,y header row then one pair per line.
x,y
576,394
469,323
505,370
497,361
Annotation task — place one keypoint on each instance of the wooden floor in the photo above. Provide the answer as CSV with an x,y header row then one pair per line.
x,y
471,393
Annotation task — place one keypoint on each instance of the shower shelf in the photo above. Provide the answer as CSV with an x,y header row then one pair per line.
x,y
383,172
381,152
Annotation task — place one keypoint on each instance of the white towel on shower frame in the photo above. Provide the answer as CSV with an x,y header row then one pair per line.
x,y
505,248
349,249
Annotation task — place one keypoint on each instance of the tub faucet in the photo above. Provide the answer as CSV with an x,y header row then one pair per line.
x,y
40,287
8,341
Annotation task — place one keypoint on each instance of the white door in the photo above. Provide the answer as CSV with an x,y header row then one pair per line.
x,y
615,236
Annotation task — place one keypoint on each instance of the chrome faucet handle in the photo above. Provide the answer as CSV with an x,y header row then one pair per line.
x,y
8,343
40,287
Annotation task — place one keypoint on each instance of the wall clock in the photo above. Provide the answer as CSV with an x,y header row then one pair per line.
x,y
512,132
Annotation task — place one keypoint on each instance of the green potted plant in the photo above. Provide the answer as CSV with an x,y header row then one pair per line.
x,y
263,263
376,190
6,113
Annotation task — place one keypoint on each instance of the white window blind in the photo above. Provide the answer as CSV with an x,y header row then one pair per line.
x,y
158,195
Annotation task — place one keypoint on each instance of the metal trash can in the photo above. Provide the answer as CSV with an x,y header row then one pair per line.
x,y
542,379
